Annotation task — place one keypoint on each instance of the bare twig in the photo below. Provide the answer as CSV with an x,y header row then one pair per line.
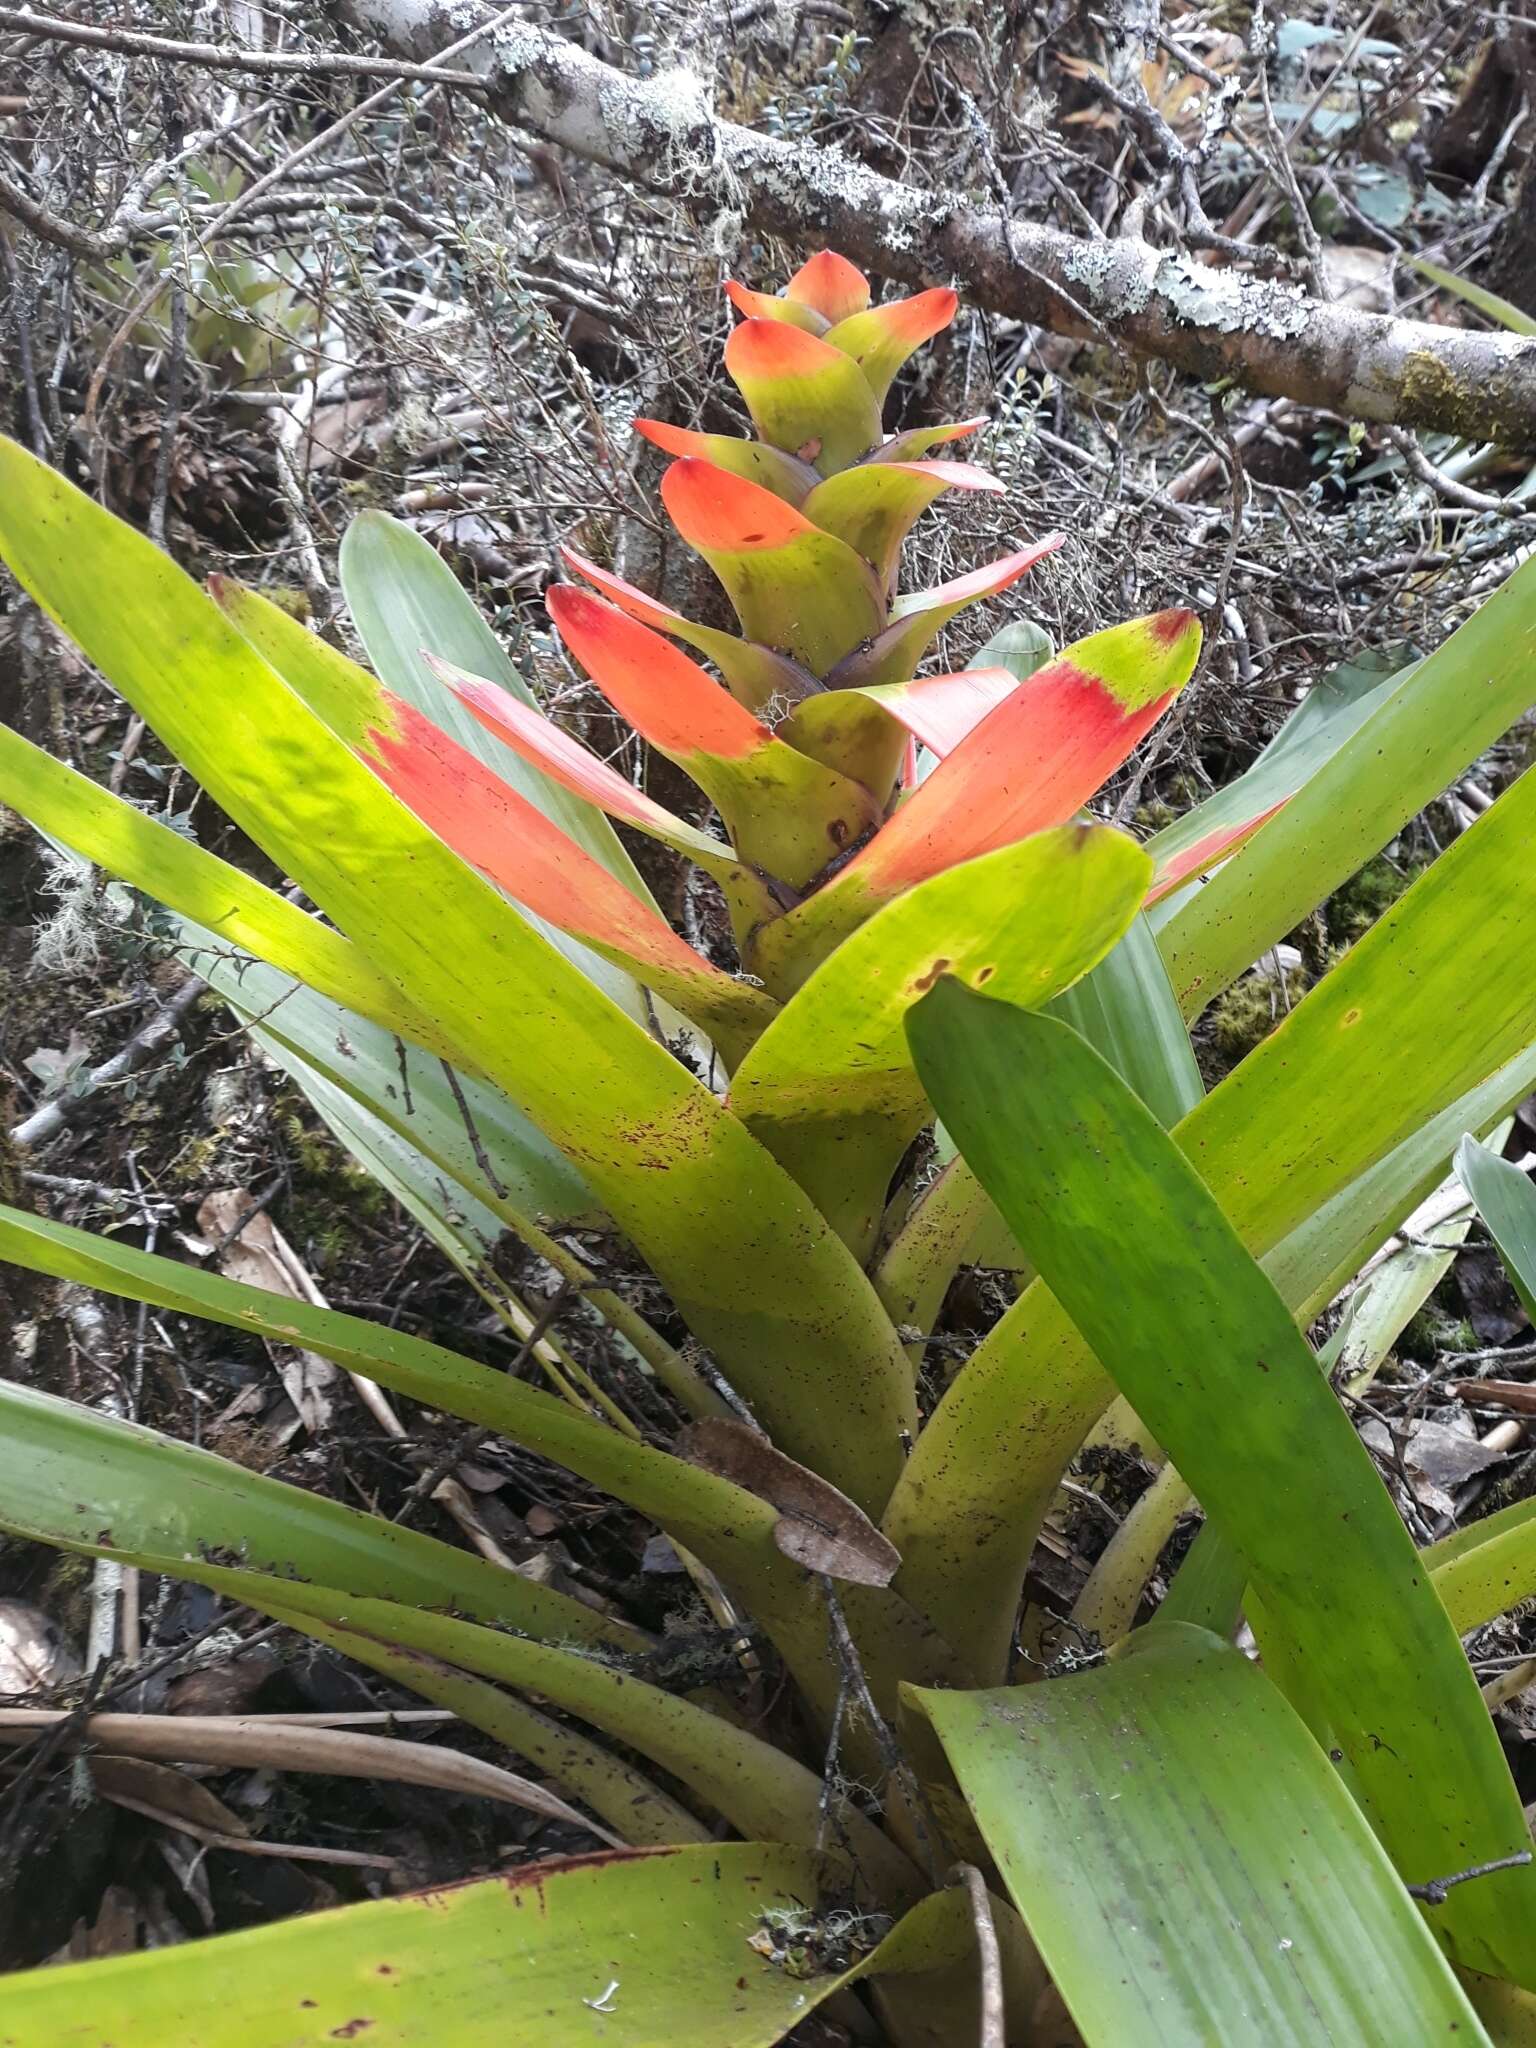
x,y
1434,1892
151,1037
468,1441
127,42
992,2032
1448,488
170,416
1509,1685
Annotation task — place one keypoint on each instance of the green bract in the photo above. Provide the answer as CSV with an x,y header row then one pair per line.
x,y
931,932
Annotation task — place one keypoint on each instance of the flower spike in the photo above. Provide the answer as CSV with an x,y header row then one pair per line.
x,y
869,733
880,340
753,305
550,747
510,840
1030,764
875,505
895,653
755,674
920,441
784,475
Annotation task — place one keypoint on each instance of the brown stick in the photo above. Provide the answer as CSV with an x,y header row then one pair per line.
x,y
1514,1394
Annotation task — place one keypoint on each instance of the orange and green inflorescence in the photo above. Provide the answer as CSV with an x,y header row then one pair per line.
x,y
840,774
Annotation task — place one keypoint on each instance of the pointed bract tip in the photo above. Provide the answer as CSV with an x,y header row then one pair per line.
x,y
830,285
713,508
1171,626
909,321
775,348
662,435
1141,660
940,304
569,605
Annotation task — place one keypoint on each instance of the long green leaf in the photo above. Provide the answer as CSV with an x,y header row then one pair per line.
x,y
1439,716
407,603
626,1950
760,1789
732,1530
1506,1201
1333,1108
1334,708
621,1795
1137,1251
1497,309
529,1184
751,1266
75,1478
637,1811
1488,1568
466,1172
1188,1863
1126,1010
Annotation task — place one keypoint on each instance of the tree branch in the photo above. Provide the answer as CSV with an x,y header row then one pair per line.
x,y
127,42
1213,323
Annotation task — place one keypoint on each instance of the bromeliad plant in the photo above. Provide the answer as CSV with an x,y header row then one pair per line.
x,y
1180,1844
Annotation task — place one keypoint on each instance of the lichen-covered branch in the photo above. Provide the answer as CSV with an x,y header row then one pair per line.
x,y
663,133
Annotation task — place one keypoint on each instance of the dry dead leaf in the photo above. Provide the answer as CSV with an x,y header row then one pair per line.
x,y
335,431
161,1793
1435,1457
1357,276
262,1257
33,1652
817,1526
254,1743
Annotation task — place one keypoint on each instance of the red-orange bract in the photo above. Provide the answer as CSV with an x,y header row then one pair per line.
x,y
807,743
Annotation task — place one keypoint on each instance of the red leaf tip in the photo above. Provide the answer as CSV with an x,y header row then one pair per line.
x,y
775,348
1170,626
712,508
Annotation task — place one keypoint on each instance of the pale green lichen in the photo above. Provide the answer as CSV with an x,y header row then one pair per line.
x,y
1230,301
1109,276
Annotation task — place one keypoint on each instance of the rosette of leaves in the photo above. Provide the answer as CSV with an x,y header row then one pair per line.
x,y
927,920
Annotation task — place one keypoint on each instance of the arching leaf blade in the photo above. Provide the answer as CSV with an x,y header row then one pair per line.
x,y
1170,1811
1132,1243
